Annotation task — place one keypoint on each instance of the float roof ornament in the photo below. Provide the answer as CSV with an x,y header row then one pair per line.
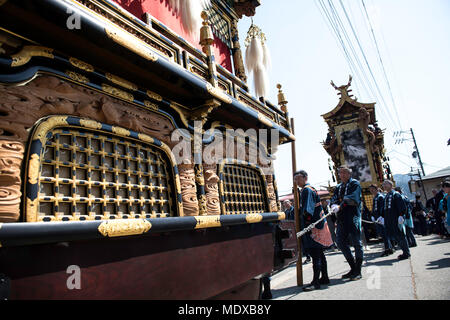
x,y
348,103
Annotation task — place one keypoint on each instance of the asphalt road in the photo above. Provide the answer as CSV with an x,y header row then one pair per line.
x,y
425,276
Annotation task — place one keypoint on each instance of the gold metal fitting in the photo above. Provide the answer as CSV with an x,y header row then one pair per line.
x,y
282,102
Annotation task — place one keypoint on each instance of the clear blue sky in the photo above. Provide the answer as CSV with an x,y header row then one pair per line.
x,y
414,41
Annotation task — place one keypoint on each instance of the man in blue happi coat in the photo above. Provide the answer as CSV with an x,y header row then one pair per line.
x,y
409,224
394,213
319,238
346,204
377,216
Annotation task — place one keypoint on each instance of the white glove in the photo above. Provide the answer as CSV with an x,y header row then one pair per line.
x,y
401,220
334,208
373,219
380,220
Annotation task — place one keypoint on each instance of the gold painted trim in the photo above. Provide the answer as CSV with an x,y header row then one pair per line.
x,y
281,216
263,119
32,209
253,218
77,77
33,171
120,131
181,112
117,92
218,93
207,222
126,227
130,42
121,82
151,105
81,64
27,52
47,125
146,138
91,124
155,96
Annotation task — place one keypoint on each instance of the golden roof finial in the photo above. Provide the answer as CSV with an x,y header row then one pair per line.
x,y
206,34
282,102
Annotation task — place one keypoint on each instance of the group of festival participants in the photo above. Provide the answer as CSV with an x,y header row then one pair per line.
x,y
391,213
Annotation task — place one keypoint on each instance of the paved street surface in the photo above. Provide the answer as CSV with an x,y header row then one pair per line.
x,y
426,276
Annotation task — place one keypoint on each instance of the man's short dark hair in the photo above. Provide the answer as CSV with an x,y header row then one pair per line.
x,y
446,184
345,168
302,173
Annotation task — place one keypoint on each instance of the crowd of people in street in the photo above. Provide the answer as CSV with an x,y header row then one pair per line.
x,y
337,223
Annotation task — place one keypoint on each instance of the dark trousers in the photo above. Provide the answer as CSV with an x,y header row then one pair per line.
x,y
319,262
410,236
343,236
381,232
422,225
394,232
305,251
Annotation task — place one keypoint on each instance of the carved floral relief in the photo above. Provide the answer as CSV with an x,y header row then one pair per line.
x,y
212,189
11,155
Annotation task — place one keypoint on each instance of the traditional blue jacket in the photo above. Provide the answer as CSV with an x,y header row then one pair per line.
x,y
394,207
348,197
408,217
310,212
377,205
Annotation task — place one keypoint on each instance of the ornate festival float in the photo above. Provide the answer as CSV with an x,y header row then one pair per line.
x,y
99,101
355,140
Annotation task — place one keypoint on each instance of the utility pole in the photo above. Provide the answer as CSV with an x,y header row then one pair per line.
x,y
421,182
418,153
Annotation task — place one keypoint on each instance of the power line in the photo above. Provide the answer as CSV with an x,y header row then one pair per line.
x,y
364,56
331,16
334,30
382,64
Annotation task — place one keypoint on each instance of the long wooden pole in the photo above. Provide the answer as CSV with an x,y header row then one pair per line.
x,y
296,210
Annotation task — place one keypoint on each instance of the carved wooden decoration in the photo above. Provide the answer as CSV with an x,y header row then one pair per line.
x,y
188,189
11,155
201,196
212,189
22,106
271,194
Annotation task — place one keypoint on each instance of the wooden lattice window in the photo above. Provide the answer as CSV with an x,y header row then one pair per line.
x,y
243,190
368,200
87,175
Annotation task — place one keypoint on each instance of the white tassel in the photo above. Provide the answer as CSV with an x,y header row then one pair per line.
x,y
254,55
261,81
267,61
190,12
258,60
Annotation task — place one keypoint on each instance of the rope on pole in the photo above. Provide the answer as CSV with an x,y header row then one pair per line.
x,y
313,225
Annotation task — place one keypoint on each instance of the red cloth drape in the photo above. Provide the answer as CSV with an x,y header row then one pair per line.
x,y
160,10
